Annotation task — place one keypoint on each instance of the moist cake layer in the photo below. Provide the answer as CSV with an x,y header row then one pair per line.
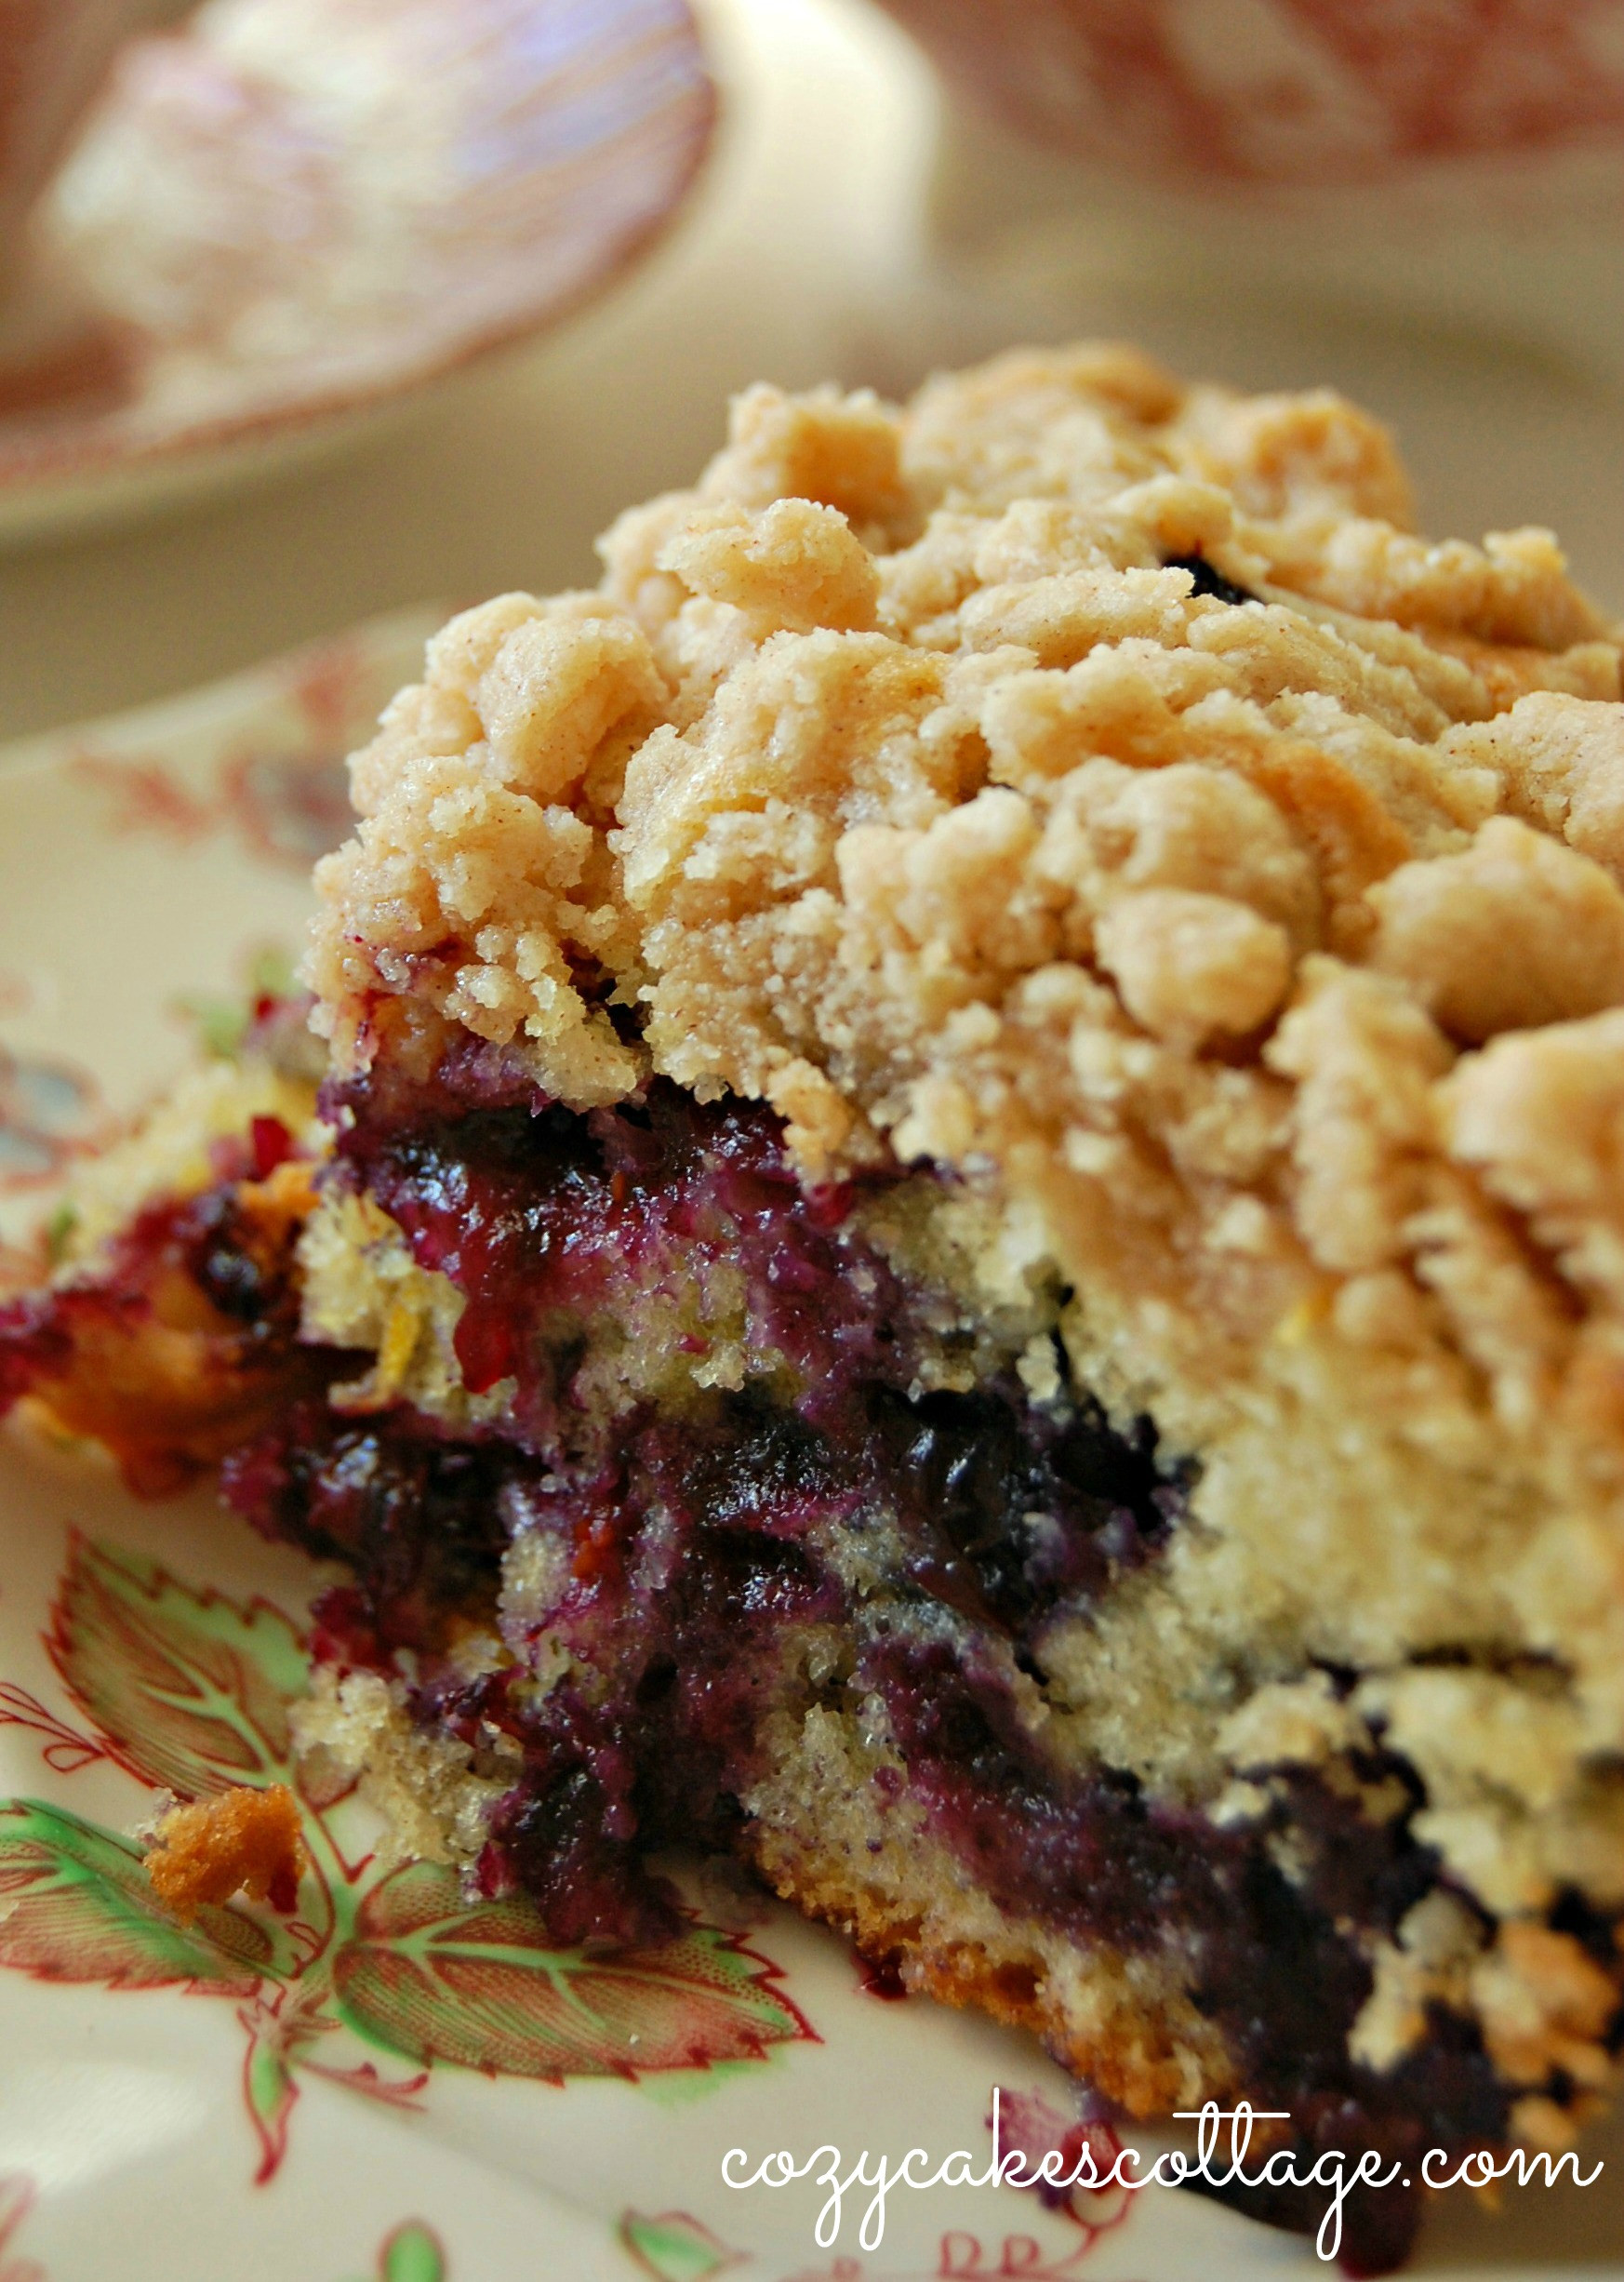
x,y
970,1237
746,1580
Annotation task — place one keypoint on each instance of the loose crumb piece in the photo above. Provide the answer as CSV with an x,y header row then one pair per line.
x,y
242,1841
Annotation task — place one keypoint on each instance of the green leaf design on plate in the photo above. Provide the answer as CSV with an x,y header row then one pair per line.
x,y
413,2253
430,1977
271,2095
190,1689
75,1904
674,2247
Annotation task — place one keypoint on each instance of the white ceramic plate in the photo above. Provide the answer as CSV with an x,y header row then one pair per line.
x,y
395,2087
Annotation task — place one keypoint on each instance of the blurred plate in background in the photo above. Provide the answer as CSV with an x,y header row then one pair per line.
x,y
291,212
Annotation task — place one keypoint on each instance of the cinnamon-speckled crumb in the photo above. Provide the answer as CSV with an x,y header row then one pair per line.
x,y
239,1842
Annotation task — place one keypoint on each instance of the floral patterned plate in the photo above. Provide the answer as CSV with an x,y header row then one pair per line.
x,y
394,2083
285,214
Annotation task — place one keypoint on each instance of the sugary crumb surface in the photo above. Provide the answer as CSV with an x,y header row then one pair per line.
x,y
240,1841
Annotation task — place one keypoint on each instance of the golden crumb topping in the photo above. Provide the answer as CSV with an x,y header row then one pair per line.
x,y
839,716
1069,760
239,1842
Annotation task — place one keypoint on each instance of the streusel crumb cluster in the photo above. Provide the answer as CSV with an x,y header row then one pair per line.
x,y
1092,786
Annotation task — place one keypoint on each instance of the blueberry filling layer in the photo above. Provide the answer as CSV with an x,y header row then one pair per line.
x,y
185,1337
698,1573
666,1235
863,1507
1278,1963
1208,579
668,1230
705,1545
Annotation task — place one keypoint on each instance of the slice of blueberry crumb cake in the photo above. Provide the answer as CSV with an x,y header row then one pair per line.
x,y
964,1232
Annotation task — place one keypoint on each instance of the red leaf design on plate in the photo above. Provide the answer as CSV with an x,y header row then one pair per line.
x,y
64,1751
16,2202
190,1689
434,1979
75,1904
17,2192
